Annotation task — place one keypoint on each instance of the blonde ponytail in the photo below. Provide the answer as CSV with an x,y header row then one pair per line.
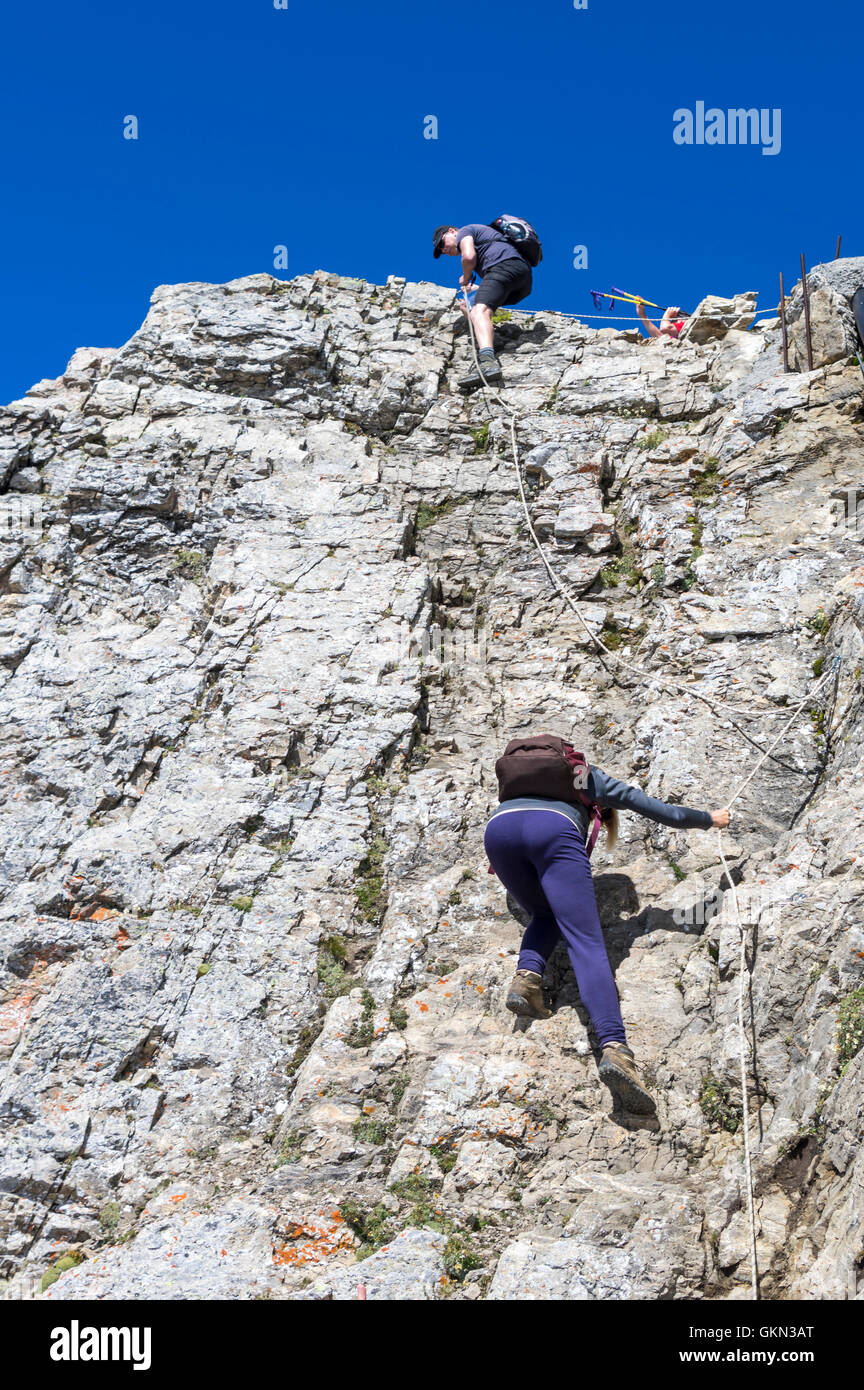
x,y
609,817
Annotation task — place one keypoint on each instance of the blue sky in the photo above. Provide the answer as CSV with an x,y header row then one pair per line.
x,y
303,127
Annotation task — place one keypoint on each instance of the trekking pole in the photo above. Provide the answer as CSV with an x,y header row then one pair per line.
x,y
837,256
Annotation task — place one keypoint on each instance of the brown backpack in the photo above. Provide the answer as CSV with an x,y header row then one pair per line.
x,y
546,766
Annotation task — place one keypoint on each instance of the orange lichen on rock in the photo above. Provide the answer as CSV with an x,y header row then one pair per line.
x,y
321,1242
15,1013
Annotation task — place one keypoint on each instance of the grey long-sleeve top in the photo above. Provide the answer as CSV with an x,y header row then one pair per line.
x,y
608,791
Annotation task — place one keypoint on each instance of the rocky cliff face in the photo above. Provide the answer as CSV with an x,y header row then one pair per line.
x,y
278,616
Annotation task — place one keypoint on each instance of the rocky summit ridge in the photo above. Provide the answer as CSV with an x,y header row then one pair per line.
x,y
268,614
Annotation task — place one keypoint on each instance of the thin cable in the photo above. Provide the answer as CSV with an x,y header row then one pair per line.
x,y
619,318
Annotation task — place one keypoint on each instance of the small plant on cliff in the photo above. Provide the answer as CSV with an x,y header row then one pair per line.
x,y
291,1146
191,564
301,1052
850,1028
370,1226
445,1154
425,1197
369,889
399,1017
481,438
331,972
696,531
362,1032
820,622
414,1188
398,1086
623,570
709,483
68,1260
428,514
370,1131
716,1105
460,1258
651,440
109,1217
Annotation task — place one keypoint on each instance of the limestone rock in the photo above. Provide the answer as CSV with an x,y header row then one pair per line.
x,y
269,610
833,334
715,316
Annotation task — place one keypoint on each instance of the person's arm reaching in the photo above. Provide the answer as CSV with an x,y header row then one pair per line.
x,y
469,259
653,332
608,791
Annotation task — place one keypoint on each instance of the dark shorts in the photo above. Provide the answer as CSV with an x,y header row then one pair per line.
x,y
505,283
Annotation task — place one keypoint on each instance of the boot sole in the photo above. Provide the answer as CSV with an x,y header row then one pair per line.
x,y
631,1096
475,385
517,1005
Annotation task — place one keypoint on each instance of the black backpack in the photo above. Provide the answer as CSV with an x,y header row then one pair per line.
x,y
522,235
546,766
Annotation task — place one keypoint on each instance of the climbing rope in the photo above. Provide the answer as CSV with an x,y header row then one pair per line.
x,y
603,650
644,674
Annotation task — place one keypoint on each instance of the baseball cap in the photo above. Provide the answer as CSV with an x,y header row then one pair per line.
x,y
438,237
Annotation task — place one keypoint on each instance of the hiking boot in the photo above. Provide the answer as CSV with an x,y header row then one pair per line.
x,y
619,1072
491,371
525,995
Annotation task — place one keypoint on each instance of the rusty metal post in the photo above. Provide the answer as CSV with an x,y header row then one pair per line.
x,y
806,313
839,239
783,325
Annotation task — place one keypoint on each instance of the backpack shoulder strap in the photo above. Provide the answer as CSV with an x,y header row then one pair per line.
x,y
581,773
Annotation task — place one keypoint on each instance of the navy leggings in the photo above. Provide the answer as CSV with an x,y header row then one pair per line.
x,y
540,857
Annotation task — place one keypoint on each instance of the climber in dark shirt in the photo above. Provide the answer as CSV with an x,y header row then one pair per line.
x,y
505,279
537,847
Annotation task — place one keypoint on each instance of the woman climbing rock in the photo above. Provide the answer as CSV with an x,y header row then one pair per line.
x,y
552,803
671,324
